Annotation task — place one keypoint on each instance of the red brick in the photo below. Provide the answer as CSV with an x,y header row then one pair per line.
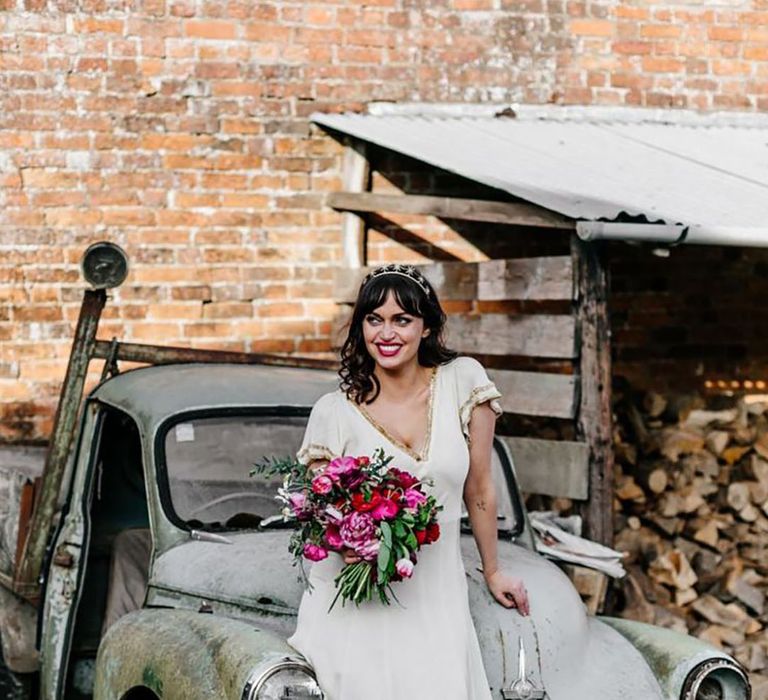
x,y
592,27
210,29
667,31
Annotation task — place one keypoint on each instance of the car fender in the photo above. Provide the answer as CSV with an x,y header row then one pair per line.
x,y
183,654
568,654
677,659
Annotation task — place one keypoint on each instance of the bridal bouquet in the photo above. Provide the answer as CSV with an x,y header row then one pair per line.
x,y
379,512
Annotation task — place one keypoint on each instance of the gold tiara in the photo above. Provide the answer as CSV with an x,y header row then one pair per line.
x,y
408,271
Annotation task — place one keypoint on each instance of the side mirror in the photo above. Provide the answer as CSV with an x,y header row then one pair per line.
x,y
104,265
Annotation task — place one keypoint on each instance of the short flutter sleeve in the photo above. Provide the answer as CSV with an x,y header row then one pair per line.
x,y
322,437
474,387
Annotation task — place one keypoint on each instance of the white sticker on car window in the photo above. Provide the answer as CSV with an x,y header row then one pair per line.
x,y
185,432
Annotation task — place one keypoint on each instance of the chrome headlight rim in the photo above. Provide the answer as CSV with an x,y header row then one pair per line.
x,y
258,678
704,670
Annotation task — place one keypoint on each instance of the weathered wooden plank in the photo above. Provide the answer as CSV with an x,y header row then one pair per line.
x,y
515,213
550,467
536,393
541,278
593,424
541,335
356,176
549,277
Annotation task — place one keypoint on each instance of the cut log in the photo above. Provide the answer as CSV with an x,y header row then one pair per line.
x,y
738,496
708,534
717,441
751,596
673,570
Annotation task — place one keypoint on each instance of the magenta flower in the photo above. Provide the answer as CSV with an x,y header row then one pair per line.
x,y
322,484
341,465
414,498
404,567
333,536
385,510
357,529
314,552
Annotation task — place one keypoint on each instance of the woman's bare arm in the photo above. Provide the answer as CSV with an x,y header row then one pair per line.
x,y
480,499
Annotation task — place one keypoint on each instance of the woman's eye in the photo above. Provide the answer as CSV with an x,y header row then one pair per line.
x,y
403,321
371,319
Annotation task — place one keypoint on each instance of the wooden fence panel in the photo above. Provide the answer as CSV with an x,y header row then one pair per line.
x,y
550,467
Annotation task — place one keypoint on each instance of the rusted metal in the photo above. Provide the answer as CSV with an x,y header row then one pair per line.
x,y
166,355
26,577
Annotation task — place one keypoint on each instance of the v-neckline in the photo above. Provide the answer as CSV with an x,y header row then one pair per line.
x,y
423,454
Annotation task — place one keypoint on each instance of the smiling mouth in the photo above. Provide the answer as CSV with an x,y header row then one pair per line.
x,y
388,350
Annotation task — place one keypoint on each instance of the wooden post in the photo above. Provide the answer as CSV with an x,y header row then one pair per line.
x,y
356,176
593,423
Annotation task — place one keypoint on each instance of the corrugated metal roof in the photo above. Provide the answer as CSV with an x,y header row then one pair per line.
x,y
593,166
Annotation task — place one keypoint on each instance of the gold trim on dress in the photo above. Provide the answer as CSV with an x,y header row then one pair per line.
x,y
313,452
478,395
423,454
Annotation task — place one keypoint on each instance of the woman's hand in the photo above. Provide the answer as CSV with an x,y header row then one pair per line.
x,y
349,556
509,591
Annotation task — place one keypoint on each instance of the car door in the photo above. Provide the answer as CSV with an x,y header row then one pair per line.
x,y
66,566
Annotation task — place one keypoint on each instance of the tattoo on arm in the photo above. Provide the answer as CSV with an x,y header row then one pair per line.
x,y
480,504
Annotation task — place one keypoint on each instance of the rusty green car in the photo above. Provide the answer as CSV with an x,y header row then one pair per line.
x,y
164,572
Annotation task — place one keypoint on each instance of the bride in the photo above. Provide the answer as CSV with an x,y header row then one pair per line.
x,y
434,411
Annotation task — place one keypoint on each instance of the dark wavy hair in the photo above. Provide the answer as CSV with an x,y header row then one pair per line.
x,y
357,378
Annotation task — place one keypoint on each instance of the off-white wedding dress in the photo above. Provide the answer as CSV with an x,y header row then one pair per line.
x,y
424,648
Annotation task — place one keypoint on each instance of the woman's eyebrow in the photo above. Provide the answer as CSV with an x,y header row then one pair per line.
x,y
400,313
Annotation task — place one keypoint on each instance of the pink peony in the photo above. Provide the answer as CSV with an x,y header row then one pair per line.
x,y
314,552
333,536
385,510
297,501
357,529
404,567
369,550
341,465
414,498
322,484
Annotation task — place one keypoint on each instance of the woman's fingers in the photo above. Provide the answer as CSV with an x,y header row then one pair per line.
x,y
515,596
349,556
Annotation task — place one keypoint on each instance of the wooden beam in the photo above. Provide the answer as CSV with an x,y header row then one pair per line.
x,y
514,213
550,467
542,278
536,393
356,177
593,424
540,335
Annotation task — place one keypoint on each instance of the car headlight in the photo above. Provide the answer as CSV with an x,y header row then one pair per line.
x,y
289,679
718,679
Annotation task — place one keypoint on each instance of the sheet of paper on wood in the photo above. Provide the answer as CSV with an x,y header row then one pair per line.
x,y
559,544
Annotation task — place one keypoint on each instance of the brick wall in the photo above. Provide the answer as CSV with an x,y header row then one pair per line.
x,y
179,129
693,321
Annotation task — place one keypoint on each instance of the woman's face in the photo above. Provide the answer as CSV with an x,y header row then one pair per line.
x,y
392,335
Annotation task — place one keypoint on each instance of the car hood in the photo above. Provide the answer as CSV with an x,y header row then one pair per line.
x,y
568,654
254,572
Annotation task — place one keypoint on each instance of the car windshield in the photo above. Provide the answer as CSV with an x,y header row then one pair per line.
x,y
208,460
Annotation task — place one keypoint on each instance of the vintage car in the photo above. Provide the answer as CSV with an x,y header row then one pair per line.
x,y
167,574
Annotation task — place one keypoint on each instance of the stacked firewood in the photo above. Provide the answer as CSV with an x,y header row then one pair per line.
x,y
691,502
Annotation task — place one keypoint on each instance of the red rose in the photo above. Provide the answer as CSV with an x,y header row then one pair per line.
x,y
433,533
404,479
421,536
361,505
363,461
